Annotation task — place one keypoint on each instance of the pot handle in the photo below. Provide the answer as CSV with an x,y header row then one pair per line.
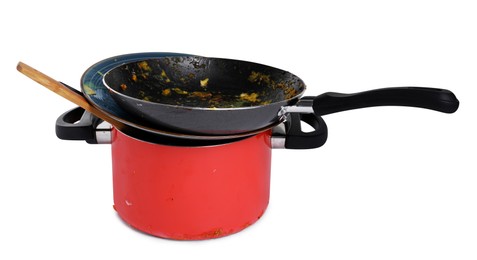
x,y
291,135
77,124
441,100
297,139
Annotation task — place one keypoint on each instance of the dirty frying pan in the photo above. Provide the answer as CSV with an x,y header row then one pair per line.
x,y
203,95
214,96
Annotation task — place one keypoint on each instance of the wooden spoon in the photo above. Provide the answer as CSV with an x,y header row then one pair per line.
x,y
64,91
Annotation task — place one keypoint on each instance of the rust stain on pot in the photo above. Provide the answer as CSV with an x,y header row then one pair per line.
x,y
246,225
214,233
217,232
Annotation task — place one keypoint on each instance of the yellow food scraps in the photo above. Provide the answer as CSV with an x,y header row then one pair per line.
x,y
201,94
88,90
134,77
204,82
123,86
259,78
180,91
253,97
165,77
166,92
144,66
290,92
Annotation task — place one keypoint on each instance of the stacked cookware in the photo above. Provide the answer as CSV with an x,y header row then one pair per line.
x,y
191,136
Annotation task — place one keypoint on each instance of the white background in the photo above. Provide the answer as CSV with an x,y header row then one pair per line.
x,y
390,183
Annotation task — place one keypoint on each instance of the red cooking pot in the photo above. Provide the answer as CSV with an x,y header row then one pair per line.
x,y
187,189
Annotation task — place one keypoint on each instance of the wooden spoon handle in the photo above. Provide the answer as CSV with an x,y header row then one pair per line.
x,y
65,92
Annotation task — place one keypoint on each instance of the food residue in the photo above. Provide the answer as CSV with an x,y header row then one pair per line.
x,y
253,97
200,94
290,92
152,83
204,82
144,66
165,77
166,92
180,91
88,90
259,78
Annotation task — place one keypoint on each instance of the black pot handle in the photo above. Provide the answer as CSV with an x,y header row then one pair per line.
x,y
293,137
76,124
297,139
441,100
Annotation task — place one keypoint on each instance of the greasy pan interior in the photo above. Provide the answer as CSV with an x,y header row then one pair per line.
x,y
205,83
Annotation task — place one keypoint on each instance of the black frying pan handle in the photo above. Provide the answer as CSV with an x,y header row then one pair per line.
x,y
441,100
77,124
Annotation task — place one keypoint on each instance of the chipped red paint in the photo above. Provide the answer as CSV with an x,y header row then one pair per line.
x,y
191,193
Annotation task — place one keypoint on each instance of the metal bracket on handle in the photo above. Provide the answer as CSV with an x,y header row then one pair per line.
x,y
103,133
284,111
